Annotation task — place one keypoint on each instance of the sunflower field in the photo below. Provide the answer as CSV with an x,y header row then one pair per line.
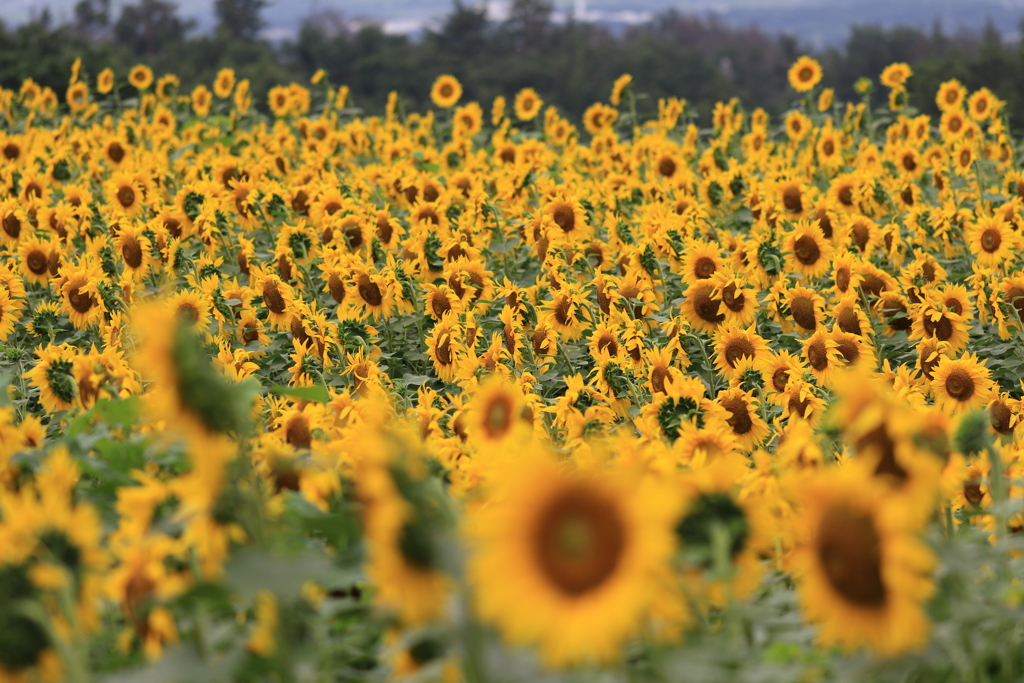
x,y
314,395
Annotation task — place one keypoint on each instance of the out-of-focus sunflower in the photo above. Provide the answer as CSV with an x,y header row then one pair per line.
x,y
528,104
446,91
584,545
141,76
804,74
863,573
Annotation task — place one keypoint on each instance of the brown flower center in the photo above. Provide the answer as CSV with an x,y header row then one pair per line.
x,y
990,240
960,385
803,312
579,541
704,268
368,290
707,309
82,302
37,261
132,252
806,250
126,196
792,199
740,421
850,555
273,298
738,349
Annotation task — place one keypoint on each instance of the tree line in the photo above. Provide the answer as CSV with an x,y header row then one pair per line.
x,y
570,63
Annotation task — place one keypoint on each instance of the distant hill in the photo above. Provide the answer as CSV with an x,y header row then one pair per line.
x,y
815,22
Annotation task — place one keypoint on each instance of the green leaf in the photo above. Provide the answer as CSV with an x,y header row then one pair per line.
x,y
317,393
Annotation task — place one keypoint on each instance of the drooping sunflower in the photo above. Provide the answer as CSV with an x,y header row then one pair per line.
x,y
584,545
962,384
863,574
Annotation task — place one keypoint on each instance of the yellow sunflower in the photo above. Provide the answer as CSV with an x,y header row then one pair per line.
x,y
962,384
140,76
863,574
528,104
583,545
804,74
446,91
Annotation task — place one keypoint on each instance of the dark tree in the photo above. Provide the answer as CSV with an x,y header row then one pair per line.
x,y
151,26
240,19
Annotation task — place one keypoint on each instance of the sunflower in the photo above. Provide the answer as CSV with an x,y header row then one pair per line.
x,y
822,356
584,545
468,120
981,105
278,298
701,260
744,419
79,290
806,249
736,344
863,573
445,348
201,100
224,83
794,200
569,216
527,104
125,194
853,349
931,320
10,313
53,375
806,307
446,91
34,258
105,82
991,240
952,124
963,157
619,87
962,384
849,316
950,95
140,76
13,220
798,126
895,75
567,312
804,74
77,97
